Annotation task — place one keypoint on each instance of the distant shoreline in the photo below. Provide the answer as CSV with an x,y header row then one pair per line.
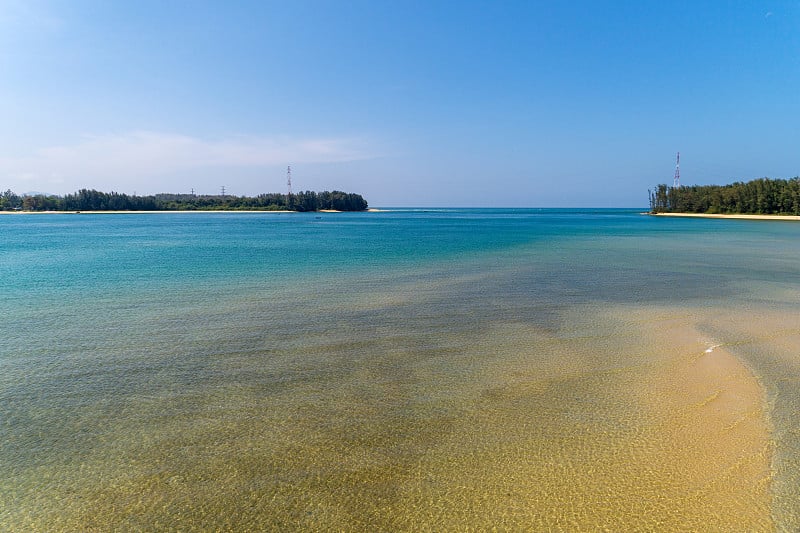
x,y
229,211
141,212
739,217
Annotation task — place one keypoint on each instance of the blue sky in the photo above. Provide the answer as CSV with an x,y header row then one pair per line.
x,y
408,103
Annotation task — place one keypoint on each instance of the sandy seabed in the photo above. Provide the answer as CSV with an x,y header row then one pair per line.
x,y
633,418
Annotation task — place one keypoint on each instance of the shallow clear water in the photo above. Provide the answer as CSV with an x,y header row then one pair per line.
x,y
408,369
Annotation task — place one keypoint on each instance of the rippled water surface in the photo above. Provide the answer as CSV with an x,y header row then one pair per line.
x,y
401,370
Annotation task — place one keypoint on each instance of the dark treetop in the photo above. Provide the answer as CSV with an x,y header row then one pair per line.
x,y
91,200
762,196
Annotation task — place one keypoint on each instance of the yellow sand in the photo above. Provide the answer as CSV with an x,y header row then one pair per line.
x,y
371,210
546,452
742,217
714,408
140,212
625,423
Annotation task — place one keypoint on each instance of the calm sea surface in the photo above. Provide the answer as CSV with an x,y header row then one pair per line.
x,y
400,370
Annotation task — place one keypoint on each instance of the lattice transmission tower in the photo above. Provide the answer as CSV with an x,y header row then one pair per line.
x,y
288,181
676,181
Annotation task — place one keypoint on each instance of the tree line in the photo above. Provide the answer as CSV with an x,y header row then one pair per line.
x,y
763,196
92,200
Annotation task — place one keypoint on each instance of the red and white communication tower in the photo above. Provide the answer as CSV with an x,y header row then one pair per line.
x,y
676,181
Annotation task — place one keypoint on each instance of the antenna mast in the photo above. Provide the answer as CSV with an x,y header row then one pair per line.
x,y
288,182
676,182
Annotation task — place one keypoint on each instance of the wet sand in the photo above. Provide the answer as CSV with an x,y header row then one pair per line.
x,y
739,217
695,454
713,410
666,436
141,212
626,423
371,210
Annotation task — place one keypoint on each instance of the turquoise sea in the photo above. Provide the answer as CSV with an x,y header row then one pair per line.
x,y
409,369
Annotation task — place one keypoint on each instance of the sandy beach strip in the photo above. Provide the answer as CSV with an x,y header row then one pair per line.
x,y
739,217
229,211
141,212
370,210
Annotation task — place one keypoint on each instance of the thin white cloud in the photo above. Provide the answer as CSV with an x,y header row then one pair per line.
x,y
148,154
27,15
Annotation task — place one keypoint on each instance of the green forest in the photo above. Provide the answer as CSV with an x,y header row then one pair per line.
x,y
91,200
762,196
